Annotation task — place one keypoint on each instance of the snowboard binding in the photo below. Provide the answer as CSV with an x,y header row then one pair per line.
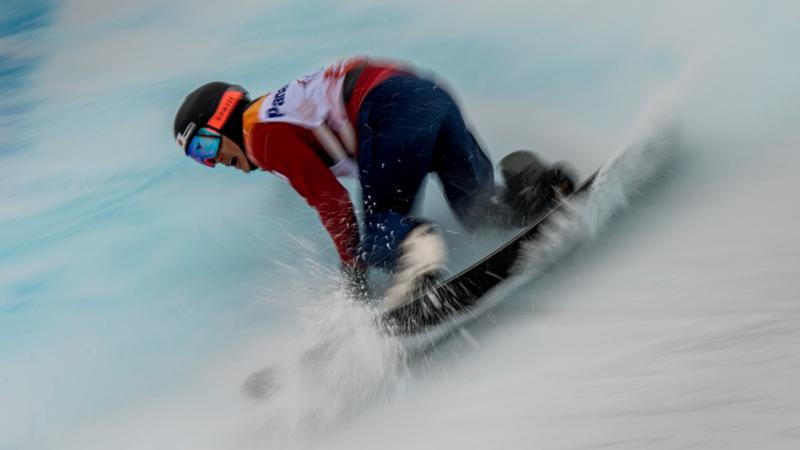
x,y
532,188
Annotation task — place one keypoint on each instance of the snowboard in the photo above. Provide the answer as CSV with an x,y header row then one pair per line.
x,y
465,292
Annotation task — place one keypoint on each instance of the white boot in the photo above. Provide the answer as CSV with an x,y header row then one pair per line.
x,y
422,257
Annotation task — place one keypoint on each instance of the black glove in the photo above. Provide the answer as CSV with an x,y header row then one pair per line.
x,y
354,282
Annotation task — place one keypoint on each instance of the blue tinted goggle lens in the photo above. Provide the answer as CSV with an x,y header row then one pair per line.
x,y
204,147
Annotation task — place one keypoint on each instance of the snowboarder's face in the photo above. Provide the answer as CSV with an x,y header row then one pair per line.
x,y
231,155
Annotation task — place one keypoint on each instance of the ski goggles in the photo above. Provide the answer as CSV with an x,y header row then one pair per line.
x,y
204,146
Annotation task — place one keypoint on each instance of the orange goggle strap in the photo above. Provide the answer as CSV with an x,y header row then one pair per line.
x,y
225,107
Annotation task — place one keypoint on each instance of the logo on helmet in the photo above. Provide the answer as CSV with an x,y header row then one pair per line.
x,y
183,137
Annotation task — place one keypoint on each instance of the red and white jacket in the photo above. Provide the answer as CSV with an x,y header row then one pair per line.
x,y
304,133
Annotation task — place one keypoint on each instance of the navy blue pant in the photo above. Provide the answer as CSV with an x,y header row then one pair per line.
x,y
408,127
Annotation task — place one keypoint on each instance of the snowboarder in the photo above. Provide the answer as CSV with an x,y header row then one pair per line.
x,y
380,122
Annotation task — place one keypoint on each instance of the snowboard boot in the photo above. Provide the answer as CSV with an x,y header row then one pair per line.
x,y
419,266
533,187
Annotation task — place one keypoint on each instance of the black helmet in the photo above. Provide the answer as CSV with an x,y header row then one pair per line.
x,y
217,105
